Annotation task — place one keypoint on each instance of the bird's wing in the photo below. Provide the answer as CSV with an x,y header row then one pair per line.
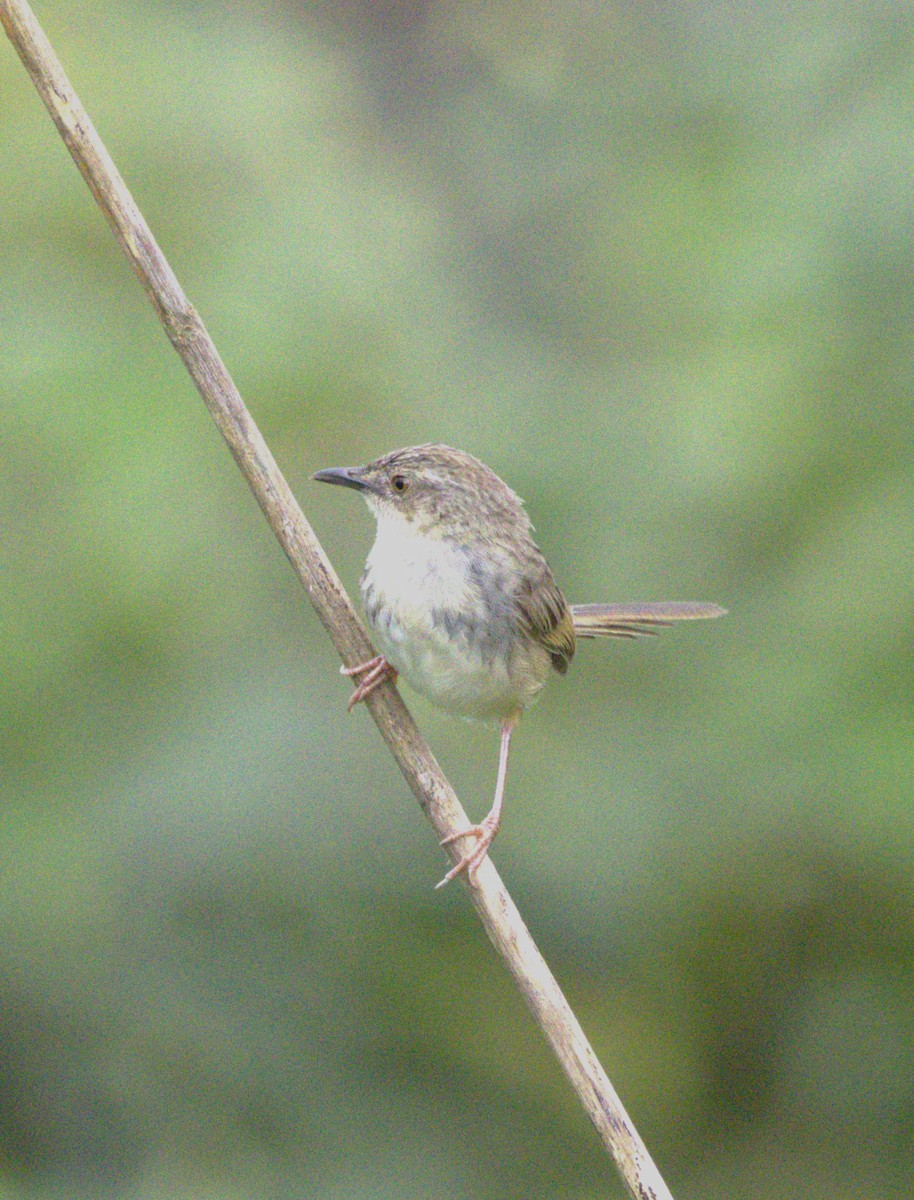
x,y
543,614
633,620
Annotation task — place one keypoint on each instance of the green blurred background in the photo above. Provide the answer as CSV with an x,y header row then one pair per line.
x,y
654,264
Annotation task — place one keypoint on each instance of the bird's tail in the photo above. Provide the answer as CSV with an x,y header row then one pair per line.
x,y
634,620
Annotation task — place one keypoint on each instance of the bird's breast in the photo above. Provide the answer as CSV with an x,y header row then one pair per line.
x,y
444,618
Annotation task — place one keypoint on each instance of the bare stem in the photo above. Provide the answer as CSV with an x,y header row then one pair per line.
x,y
188,334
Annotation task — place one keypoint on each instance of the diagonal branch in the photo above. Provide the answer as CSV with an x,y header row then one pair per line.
x,y
189,337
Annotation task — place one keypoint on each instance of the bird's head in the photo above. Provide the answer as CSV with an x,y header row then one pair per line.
x,y
437,490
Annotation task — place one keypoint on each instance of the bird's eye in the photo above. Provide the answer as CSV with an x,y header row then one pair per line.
x,y
399,483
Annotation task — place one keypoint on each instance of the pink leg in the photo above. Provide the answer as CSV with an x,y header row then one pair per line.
x,y
485,831
374,672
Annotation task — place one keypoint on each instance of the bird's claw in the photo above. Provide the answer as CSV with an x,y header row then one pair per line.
x,y
484,833
374,671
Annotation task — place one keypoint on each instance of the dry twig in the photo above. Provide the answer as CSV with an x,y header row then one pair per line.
x,y
494,906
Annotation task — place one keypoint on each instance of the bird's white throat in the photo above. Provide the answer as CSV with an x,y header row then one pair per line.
x,y
412,571
434,624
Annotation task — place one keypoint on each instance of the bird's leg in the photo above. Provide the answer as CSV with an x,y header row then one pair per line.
x,y
485,831
374,672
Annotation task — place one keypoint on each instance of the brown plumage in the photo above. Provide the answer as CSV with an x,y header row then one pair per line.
x,y
462,601
635,620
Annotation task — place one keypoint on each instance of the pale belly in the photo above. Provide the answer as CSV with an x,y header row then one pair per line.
x,y
455,645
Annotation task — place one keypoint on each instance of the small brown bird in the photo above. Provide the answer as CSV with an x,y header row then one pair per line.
x,y
463,603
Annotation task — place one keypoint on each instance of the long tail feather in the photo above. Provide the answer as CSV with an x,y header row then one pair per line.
x,y
636,620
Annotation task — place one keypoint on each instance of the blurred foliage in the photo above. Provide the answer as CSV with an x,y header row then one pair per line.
x,y
655,264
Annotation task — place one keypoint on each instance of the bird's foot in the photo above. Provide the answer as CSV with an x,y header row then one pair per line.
x,y
374,672
484,833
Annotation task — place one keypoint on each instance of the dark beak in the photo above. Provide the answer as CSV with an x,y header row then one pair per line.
x,y
344,476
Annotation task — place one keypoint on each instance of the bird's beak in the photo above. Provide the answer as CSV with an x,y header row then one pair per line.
x,y
344,476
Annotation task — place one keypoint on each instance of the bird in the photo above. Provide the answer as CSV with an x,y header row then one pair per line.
x,y
462,603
